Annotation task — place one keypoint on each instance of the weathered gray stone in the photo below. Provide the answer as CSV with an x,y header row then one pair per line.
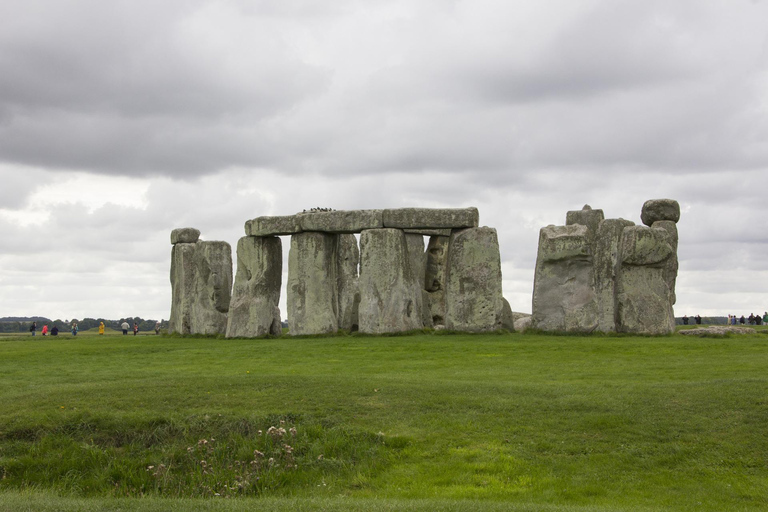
x,y
201,284
185,236
446,232
644,299
473,281
254,309
564,282
312,290
671,267
660,209
523,324
585,217
507,316
348,260
434,277
431,218
388,302
418,261
273,226
350,221
607,262
641,245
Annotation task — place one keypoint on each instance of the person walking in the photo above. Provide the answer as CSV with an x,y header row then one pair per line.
x,y
135,328
124,326
157,328
74,329
101,328
33,328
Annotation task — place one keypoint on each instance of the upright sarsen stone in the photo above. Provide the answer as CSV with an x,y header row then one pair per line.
x,y
644,299
607,263
348,262
254,309
434,277
473,295
388,298
201,284
312,284
564,282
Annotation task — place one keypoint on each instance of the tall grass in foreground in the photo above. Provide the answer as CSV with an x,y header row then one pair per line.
x,y
557,421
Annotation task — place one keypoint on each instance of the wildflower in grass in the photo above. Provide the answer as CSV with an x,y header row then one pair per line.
x,y
293,431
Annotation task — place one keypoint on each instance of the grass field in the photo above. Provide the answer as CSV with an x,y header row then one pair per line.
x,y
424,422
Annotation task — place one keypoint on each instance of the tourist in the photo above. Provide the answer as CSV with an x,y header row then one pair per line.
x,y
135,328
742,320
157,328
74,329
124,326
751,319
33,328
765,318
698,320
685,319
758,320
45,329
55,331
101,328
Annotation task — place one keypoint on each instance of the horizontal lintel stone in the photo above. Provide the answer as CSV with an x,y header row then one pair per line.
x,y
273,226
340,221
428,232
431,218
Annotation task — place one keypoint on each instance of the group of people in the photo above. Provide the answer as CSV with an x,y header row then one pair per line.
x,y
753,319
54,330
696,319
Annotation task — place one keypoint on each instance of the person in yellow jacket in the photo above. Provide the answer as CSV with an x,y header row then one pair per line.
x,y
101,327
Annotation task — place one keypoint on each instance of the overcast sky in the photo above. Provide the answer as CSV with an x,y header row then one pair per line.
x,y
122,120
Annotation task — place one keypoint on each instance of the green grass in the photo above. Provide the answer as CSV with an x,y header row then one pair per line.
x,y
422,422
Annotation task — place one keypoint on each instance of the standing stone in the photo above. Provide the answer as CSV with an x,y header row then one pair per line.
x,y
201,284
312,284
388,299
418,262
348,259
254,309
434,277
644,300
564,283
473,281
607,262
670,269
507,316
586,217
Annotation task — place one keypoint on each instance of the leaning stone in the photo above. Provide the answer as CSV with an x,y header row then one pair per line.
x,y
429,232
388,302
660,209
201,285
350,221
564,296
273,226
473,281
312,290
431,218
348,261
585,217
185,236
254,309
607,262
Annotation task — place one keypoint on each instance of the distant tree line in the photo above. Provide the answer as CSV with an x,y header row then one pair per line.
x,y
21,324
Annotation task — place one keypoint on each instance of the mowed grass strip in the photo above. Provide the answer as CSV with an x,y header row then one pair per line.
x,y
558,422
